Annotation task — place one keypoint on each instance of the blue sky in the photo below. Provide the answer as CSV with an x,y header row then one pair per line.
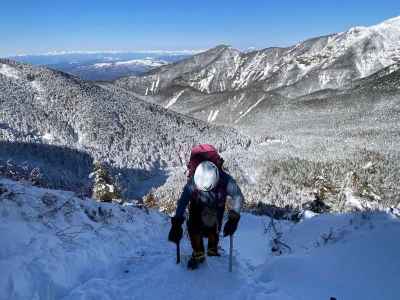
x,y
35,26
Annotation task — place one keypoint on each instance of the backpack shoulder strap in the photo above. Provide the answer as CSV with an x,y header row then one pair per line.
x,y
223,183
195,192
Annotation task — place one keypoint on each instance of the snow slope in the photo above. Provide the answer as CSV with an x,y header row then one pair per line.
x,y
54,246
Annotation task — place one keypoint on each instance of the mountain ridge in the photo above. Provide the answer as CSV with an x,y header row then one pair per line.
x,y
277,67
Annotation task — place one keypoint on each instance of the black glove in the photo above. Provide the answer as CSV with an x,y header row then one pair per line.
x,y
176,232
232,223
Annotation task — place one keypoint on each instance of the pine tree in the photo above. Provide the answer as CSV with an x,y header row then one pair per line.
x,y
104,189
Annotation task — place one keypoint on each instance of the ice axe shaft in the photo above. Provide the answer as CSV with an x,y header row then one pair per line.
x,y
230,252
178,253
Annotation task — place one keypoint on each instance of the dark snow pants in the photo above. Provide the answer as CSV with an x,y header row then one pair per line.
x,y
197,230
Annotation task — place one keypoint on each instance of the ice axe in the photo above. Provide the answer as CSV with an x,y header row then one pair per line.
x,y
230,252
178,253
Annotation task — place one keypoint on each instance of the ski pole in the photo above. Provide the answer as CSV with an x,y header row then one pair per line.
x,y
230,252
178,253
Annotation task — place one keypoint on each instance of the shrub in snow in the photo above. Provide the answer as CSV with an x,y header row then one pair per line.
x,y
99,214
150,200
275,212
3,190
49,199
22,172
316,206
104,188
278,246
328,237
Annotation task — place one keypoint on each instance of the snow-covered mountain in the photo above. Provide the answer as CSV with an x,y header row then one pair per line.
x,y
42,106
148,61
326,62
106,70
349,111
104,65
325,84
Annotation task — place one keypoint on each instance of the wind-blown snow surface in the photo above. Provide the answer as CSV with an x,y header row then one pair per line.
x,y
54,246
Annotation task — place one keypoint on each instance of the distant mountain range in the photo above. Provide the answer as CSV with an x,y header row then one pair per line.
x,y
100,65
225,85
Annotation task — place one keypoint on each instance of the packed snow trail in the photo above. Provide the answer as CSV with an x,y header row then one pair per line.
x,y
154,274
57,246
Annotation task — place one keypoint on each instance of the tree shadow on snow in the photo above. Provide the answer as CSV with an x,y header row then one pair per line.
x,y
137,183
58,167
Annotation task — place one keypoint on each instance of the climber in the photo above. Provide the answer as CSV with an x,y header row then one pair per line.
x,y
205,192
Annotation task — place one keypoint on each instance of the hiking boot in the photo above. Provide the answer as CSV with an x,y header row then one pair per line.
x,y
192,264
195,260
213,252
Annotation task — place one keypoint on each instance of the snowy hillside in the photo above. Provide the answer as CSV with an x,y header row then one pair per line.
x,y
57,246
137,139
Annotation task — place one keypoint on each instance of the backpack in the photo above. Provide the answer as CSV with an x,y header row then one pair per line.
x,y
201,153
